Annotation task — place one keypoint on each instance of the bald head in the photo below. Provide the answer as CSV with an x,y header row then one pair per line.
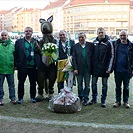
x,y
123,36
4,35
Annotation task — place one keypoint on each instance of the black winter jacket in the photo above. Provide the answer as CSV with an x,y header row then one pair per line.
x,y
103,57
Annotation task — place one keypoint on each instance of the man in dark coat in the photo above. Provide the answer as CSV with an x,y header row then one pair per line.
x,y
27,61
103,59
82,60
123,68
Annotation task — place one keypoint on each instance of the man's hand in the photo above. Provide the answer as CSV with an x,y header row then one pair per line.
x,y
108,72
75,71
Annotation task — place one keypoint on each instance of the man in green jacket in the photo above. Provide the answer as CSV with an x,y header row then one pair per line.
x,y
7,66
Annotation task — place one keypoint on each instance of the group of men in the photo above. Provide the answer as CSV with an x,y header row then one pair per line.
x,y
100,59
89,60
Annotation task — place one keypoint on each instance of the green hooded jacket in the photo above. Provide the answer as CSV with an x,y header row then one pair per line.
x,y
7,49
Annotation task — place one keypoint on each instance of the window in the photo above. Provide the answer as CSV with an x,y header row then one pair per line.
x,y
100,8
112,8
118,24
125,16
76,10
118,16
105,8
76,25
112,24
92,16
84,25
106,16
125,24
112,16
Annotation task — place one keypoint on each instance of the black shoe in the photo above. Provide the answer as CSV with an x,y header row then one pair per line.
x,y
33,100
81,99
103,105
85,103
20,101
40,98
92,102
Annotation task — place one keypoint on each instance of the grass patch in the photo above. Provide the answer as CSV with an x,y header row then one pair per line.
x,y
89,114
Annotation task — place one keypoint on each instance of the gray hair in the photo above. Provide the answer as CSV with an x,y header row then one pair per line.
x,y
123,31
4,31
82,33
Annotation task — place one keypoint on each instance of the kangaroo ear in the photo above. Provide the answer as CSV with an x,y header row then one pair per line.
x,y
41,20
50,19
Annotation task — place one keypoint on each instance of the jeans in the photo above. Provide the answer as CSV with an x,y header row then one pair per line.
x,y
104,88
32,74
11,86
119,78
83,92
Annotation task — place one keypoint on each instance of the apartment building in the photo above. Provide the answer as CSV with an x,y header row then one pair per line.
x,y
29,17
131,16
75,16
16,19
10,19
2,12
89,15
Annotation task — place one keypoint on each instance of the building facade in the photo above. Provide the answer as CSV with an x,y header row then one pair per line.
x,y
55,9
74,16
113,15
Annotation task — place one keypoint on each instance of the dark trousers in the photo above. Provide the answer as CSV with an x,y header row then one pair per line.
x,y
83,92
122,77
32,75
104,88
60,86
46,73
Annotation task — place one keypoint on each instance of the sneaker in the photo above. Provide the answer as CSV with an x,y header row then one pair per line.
x,y
92,102
103,105
126,105
33,100
20,101
13,102
85,103
1,102
117,104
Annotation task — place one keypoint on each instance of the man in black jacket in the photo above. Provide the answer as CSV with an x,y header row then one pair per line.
x,y
103,58
82,60
27,61
123,68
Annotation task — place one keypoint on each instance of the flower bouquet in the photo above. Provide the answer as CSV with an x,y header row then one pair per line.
x,y
49,51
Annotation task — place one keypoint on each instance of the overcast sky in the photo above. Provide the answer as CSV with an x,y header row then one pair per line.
x,y
8,4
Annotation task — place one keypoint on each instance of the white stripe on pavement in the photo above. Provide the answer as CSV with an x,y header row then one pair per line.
x,y
65,123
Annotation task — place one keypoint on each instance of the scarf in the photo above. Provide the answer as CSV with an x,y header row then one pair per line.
x,y
5,43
